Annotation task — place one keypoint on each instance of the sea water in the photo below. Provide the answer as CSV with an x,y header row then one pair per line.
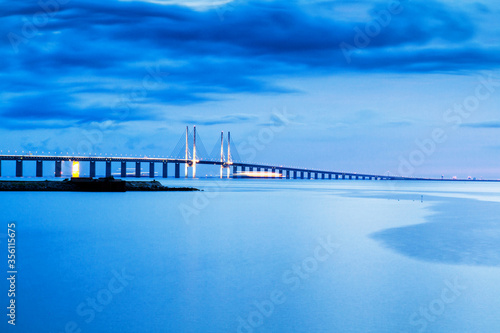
x,y
257,256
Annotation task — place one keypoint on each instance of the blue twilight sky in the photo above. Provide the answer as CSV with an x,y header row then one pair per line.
x,y
406,87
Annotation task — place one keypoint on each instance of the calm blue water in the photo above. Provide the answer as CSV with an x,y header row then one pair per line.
x,y
258,256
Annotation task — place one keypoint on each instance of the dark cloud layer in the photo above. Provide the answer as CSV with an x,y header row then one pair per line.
x,y
87,59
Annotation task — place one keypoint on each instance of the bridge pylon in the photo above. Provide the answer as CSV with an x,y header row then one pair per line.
x,y
194,151
229,160
221,154
190,162
187,152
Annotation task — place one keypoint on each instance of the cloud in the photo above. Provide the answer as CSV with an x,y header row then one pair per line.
x,y
217,120
482,125
87,56
403,123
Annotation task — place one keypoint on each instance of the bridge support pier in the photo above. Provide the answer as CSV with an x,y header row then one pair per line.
x,y
235,171
92,169
250,169
19,168
177,170
258,169
329,176
108,168
39,168
151,169
58,169
137,169
243,168
123,169
323,176
295,174
302,174
343,176
336,176
316,175
165,170
0,168
287,174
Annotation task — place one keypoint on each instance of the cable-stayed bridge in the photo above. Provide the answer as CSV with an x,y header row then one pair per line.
x,y
187,154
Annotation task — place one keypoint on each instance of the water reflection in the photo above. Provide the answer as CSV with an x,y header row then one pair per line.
x,y
462,232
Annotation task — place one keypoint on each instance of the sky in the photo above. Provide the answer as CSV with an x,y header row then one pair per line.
x,y
389,87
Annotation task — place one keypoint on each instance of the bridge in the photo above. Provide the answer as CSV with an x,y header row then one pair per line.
x,y
193,155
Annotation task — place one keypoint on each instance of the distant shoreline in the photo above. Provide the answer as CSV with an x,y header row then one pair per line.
x,y
88,185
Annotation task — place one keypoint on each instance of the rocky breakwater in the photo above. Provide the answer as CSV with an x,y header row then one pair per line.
x,y
108,184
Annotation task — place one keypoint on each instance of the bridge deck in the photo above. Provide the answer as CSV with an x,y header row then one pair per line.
x,y
202,162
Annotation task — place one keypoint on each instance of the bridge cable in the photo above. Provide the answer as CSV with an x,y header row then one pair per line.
x,y
235,156
201,152
180,148
215,153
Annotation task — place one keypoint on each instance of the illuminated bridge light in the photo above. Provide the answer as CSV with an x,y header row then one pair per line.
x,y
76,169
